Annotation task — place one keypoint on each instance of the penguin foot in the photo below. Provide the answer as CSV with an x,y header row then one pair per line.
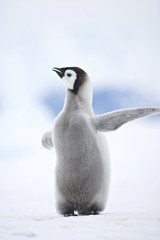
x,y
66,209
75,213
93,210
96,212
70,215
90,213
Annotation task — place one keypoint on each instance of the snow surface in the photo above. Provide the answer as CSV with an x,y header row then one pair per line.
x,y
27,196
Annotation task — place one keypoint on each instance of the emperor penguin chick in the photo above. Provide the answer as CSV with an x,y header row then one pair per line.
x,y
83,163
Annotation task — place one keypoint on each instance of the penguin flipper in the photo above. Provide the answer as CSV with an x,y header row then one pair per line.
x,y
47,140
113,120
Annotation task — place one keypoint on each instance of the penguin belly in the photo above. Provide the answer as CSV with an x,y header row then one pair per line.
x,y
83,168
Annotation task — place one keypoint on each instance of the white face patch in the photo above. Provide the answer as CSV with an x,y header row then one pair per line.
x,y
69,78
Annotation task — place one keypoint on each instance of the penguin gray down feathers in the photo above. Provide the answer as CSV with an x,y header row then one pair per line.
x,y
83,162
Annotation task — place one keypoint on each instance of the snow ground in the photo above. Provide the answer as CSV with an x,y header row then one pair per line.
x,y
27,208
106,226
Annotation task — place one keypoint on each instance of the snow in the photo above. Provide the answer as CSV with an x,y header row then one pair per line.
x,y
105,226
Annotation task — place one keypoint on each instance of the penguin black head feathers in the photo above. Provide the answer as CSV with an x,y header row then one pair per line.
x,y
73,77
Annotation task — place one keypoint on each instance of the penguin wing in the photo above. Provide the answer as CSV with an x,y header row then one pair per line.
x,y
113,120
47,140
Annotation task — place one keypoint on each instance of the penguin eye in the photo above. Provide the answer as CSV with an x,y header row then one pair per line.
x,y
69,74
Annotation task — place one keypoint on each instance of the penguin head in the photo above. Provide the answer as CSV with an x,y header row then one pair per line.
x,y
73,77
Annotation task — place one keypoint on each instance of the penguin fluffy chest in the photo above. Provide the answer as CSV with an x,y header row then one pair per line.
x,y
80,172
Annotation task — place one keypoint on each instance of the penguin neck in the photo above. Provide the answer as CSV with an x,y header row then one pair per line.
x,y
81,101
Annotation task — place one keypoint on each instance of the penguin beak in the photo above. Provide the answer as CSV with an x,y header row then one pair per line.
x,y
58,71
